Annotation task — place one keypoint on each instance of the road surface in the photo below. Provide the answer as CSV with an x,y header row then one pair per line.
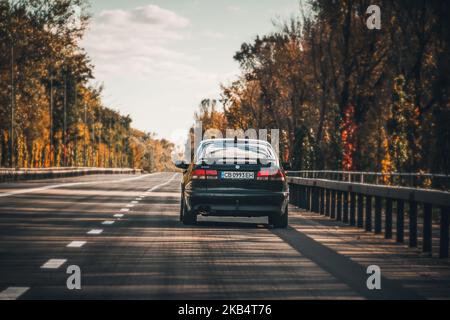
x,y
124,234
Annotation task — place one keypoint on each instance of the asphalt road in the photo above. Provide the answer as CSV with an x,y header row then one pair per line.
x,y
148,254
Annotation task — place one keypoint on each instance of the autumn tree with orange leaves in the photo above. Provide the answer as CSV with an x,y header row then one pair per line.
x,y
346,97
50,114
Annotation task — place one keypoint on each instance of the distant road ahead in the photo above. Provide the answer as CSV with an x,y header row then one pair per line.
x,y
124,234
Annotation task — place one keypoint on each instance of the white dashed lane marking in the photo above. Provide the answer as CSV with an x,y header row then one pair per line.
x,y
12,293
76,244
95,231
53,263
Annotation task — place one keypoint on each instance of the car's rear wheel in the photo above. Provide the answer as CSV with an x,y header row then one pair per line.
x,y
181,207
189,217
279,221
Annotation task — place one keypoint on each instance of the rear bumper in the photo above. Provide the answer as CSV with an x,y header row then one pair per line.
x,y
241,203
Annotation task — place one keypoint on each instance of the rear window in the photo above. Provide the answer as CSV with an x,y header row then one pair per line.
x,y
241,152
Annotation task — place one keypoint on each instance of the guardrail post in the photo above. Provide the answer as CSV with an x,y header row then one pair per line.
x,y
308,202
303,197
368,213
427,235
328,202
313,199
360,215
345,216
400,221
296,193
307,198
322,201
301,201
443,241
352,208
333,204
299,196
413,224
291,192
388,219
339,206
316,200
378,215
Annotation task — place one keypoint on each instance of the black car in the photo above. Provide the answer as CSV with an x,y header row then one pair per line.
x,y
234,177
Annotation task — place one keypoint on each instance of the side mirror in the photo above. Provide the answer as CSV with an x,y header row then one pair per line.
x,y
286,166
180,164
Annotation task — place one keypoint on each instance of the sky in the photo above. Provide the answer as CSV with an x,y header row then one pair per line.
x,y
158,59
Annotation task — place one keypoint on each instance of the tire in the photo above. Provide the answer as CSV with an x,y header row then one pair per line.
x,y
279,221
181,207
188,217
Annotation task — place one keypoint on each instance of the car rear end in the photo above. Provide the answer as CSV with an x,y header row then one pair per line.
x,y
237,178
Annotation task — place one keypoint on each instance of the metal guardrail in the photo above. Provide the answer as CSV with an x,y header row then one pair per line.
x,y
351,203
414,180
7,174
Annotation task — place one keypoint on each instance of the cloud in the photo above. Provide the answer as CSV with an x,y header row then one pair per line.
x,y
213,34
147,15
136,40
152,64
234,9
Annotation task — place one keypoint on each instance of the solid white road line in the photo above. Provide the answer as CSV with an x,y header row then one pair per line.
x,y
95,231
163,184
53,263
76,244
56,186
108,222
12,293
118,215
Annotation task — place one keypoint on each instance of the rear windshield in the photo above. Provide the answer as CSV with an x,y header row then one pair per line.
x,y
241,152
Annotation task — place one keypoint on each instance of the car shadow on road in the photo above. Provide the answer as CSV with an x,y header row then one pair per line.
x,y
343,268
231,225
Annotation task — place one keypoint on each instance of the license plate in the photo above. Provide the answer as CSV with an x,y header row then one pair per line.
x,y
237,175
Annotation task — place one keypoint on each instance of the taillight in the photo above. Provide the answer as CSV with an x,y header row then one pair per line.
x,y
203,174
211,173
267,174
